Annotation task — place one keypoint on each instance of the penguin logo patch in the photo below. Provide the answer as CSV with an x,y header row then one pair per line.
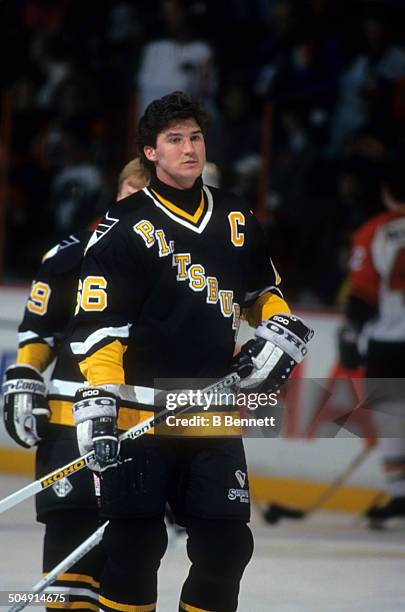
x,y
62,488
240,477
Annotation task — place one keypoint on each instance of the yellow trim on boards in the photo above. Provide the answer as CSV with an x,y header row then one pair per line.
x,y
14,461
303,493
265,489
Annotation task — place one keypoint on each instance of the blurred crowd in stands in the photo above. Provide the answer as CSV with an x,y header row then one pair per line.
x,y
77,74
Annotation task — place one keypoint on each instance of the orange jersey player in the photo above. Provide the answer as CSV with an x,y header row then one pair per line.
x,y
375,323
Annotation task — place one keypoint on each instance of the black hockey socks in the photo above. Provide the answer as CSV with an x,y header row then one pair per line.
x,y
134,549
64,532
219,552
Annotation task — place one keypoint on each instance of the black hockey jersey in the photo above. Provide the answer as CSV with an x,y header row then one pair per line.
x,y
163,285
43,330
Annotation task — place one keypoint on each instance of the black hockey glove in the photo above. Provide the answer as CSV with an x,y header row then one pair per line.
x,y
26,411
266,362
349,356
95,415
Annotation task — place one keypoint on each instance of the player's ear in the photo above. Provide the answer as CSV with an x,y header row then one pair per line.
x,y
150,153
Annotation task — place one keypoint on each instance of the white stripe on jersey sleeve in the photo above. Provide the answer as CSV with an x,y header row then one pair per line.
x,y
30,335
81,348
135,394
65,388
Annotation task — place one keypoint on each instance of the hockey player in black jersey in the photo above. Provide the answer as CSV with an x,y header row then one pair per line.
x,y
163,284
44,417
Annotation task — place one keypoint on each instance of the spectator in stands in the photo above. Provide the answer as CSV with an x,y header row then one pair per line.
x,y
240,123
51,66
365,86
177,61
77,190
44,15
80,77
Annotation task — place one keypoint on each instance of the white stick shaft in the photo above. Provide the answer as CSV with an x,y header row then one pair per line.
x,y
81,462
44,482
64,565
341,478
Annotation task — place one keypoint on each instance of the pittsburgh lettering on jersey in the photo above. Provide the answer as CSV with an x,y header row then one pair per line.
x,y
198,280
194,274
149,235
212,290
146,230
181,260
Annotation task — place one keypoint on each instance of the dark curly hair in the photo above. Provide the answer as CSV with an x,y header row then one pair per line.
x,y
160,114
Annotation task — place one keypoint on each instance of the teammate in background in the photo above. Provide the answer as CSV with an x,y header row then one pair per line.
x,y
374,332
133,177
44,419
161,296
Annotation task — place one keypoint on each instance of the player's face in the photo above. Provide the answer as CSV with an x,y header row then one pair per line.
x,y
179,155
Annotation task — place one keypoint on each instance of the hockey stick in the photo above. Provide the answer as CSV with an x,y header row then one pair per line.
x,y
81,462
64,565
275,512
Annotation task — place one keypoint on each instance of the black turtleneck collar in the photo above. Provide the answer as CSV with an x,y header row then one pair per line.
x,y
187,199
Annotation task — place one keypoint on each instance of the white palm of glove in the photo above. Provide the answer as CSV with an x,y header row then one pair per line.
x,y
84,432
26,411
264,362
25,420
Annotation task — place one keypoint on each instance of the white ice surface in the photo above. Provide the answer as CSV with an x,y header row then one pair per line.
x,y
330,563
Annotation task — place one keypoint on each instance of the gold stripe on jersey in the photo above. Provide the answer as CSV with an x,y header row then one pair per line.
x,y
61,414
196,222
265,307
78,578
127,607
105,366
179,211
184,607
37,354
129,417
73,605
